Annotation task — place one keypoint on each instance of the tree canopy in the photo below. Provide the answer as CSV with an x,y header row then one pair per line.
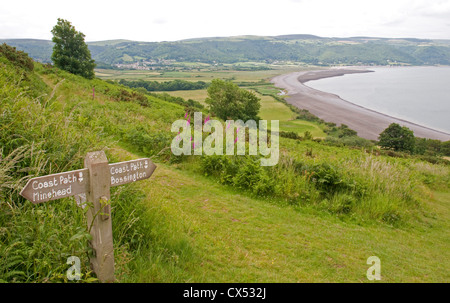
x,y
70,51
397,138
228,101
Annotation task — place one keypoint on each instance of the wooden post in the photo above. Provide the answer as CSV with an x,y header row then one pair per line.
x,y
92,184
98,216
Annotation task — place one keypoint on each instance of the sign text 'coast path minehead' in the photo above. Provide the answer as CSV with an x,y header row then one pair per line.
x,y
93,182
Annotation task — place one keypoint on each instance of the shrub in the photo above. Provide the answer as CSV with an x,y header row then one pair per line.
x,y
304,114
327,178
307,135
125,95
290,135
241,172
252,176
149,144
192,105
224,167
17,57
351,141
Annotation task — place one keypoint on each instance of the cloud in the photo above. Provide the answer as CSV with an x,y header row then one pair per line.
x,y
394,22
180,19
434,9
160,21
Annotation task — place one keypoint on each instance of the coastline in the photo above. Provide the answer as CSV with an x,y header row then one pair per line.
x,y
331,108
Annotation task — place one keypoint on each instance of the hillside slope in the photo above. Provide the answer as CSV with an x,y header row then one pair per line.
x,y
315,217
299,48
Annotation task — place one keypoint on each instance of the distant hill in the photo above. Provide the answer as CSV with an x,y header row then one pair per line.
x,y
300,48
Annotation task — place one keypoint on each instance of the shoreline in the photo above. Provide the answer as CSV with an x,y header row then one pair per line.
x,y
366,122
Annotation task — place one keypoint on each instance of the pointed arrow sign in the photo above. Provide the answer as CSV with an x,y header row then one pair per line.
x,y
56,186
76,182
130,171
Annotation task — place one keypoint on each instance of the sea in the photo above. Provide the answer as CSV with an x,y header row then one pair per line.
x,y
419,94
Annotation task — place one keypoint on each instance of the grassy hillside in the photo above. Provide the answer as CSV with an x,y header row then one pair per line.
x,y
315,217
298,48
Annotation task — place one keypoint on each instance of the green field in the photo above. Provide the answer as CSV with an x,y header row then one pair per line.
x,y
274,110
206,73
300,127
197,95
109,74
271,109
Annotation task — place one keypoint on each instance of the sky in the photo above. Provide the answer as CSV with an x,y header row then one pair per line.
x,y
171,20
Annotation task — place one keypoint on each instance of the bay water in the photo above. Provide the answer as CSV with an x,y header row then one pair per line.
x,y
419,94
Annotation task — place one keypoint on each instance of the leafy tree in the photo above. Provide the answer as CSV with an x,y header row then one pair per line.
x,y
431,147
70,52
446,148
344,131
166,85
397,138
228,101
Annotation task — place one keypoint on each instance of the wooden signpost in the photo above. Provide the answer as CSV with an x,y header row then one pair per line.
x,y
94,183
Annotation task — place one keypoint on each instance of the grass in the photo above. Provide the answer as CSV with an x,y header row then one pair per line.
x,y
329,210
271,109
300,127
228,236
52,133
274,110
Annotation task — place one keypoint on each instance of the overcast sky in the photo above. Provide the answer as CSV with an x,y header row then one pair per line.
x,y
170,20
